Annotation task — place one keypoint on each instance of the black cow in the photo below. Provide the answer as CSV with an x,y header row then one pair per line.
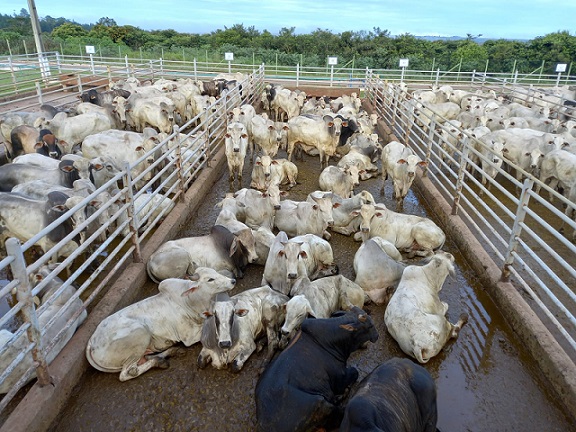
x,y
349,126
398,396
301,389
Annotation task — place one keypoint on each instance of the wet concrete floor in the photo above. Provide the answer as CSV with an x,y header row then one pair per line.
x,y
486,380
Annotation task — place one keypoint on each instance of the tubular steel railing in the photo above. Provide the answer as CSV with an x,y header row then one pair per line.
x,y
113,233
518,227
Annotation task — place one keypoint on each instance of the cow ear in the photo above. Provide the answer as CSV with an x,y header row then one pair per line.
x,y
233,247
188,291
284,193
207,314
422,163
315,206
274,162
241,312
38,145
303,254
401,161
335,205
347,327
280,253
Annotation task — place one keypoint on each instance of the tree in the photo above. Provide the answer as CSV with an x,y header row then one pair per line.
x,y
107,22
68,30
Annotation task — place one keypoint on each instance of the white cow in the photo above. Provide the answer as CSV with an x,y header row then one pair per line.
x,y
221,250
319,299
301,217
357,157
141,336
378,268
234,324
267,170
267,135
409,233
346,221
73,130
50,305
236,146
340,180
399,162
257,208
316,135
415,316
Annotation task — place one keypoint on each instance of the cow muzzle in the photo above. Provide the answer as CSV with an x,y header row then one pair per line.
x,y
292,275
236,150
225,344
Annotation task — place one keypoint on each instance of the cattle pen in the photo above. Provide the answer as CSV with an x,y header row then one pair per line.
x,y
498,234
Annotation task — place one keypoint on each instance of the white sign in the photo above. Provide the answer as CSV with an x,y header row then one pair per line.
x,y
332,60
229,56
404,62
90,49
561,67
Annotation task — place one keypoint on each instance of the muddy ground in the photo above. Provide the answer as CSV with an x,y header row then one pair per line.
x,y
486,380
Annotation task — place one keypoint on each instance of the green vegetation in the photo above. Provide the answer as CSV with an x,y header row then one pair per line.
x,y
375,49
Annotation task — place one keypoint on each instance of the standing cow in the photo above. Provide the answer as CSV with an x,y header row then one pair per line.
x,y
236,145
300,390
141,336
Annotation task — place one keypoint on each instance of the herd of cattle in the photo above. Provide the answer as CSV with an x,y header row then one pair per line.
x,y
307,376
535,131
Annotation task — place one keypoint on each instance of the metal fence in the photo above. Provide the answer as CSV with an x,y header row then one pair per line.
x,y
519,228
36,78
119,223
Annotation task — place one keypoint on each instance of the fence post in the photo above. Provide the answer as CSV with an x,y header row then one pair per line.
x,y
161,68
432,127
516,228
127,65
152,69
297,74
39,92
58,63
195,70
131,211
437,77
13,74
461,171
92,64
24,296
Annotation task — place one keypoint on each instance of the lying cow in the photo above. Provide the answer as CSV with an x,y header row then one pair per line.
x,y
415,316
378,268
413,234
220,250
234,325
307,255
319,299
397,396
142,336
301,388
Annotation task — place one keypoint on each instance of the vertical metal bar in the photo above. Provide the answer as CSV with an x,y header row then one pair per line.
x,y
24,296
516,228
13,74
180,163
58,63
39,92
297,74
429,146
79,77
195,70
461,171
131,210
92,64
161,67
152,69
437,76
127,65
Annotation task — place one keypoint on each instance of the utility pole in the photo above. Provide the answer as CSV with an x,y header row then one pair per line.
x,y
44,67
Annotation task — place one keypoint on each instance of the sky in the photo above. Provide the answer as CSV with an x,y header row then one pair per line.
x,y
493,19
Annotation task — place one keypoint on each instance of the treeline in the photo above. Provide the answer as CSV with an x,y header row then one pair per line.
x,y
375,49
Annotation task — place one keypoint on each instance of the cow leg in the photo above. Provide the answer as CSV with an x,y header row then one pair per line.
x,y
204,358
243,355
147,362
458,326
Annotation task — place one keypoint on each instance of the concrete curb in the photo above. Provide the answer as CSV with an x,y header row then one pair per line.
x,y
553,361
41,405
